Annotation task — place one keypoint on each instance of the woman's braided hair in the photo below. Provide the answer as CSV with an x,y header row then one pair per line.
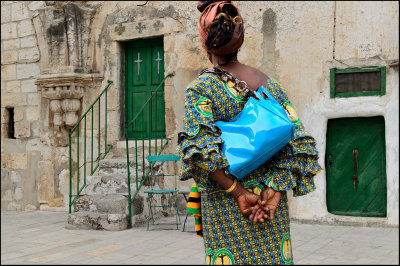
x,y
222,29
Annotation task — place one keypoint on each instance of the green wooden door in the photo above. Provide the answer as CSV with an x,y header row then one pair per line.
x,y
356,166
144,64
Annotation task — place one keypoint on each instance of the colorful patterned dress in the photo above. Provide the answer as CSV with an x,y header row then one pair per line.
x,y
229,236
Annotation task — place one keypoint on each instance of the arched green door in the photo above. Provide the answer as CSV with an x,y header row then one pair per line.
x,y
144,71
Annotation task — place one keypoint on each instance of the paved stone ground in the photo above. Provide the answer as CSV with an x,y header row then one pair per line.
x,y
39,237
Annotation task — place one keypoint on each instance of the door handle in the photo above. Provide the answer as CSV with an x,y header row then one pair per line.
x,y
330,159
355,164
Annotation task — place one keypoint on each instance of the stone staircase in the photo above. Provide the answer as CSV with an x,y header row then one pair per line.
x,y
103,205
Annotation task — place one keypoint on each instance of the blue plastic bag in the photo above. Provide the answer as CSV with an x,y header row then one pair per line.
x,y
260,130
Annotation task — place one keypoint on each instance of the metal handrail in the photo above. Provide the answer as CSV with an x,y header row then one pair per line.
x,y
99,157
145,174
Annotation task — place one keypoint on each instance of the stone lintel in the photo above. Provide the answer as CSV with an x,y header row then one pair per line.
x,y
142,29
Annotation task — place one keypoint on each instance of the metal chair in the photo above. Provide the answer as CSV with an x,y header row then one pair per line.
x,y
153,159
185,195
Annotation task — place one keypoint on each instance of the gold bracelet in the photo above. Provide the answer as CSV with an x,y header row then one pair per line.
x,y
232,187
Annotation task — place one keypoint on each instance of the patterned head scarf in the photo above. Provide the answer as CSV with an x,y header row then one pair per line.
x,y
207,17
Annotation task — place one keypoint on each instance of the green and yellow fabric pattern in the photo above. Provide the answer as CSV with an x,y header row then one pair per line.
x,y
230,237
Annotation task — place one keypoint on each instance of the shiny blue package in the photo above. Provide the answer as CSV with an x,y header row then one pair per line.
x,y
260,130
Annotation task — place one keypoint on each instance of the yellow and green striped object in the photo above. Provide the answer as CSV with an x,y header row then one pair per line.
x,y
193,207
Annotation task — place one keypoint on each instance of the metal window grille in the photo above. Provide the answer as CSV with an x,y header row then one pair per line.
x,y
353,82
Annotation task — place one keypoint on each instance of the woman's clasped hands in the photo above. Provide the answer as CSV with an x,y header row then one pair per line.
x,y
259,207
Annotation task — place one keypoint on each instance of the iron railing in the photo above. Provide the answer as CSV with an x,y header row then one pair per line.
x,y
100,156
141,161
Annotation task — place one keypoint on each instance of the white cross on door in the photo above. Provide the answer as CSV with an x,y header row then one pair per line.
x,y
158,59
138,61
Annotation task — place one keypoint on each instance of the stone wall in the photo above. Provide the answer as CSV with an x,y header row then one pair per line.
x,y
295,42
19,68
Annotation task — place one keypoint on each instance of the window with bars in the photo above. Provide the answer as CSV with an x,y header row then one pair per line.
x,y
352,82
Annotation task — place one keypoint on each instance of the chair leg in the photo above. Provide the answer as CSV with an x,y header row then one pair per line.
x,y
184,223
176,211
149,198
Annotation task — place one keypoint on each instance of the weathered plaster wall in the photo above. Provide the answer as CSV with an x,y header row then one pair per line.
x,y
295,42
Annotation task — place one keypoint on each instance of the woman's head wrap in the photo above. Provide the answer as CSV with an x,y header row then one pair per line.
x,y
211,11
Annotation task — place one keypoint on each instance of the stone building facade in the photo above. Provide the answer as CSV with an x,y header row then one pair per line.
x,y
57,56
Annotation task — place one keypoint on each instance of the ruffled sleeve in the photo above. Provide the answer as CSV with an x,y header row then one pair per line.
x,y
199,144
293,167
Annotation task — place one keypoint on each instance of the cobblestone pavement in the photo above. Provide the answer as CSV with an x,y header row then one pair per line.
x,y
39,237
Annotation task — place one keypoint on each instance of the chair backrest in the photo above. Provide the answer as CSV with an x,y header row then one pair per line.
x,y
161,159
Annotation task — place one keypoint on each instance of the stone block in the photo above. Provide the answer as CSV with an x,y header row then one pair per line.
x,y
9,31
33,99
7,196
107,184
17,161
18,194
13,99
28,85
4,159
45,181
18,113
11,44
22,130
8,72
138,205
28,54
35,127
58,202
29,70
28,41
34,145
13,86
169,43
4,131
47,153
12,206
90,220
112,204
19,11
32,113
4,115
30,207
10,56
36,5
63,185
15,177
5,13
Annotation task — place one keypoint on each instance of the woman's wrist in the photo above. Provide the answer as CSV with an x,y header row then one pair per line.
x,y
237,191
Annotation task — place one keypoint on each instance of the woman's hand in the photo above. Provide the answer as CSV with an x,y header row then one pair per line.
x,y
268,201
247,201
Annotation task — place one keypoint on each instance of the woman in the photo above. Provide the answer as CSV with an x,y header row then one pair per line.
x,y
246,221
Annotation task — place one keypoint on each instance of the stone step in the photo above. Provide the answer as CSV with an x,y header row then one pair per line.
x,y
111,203
118,166
97,221
140,144
107,184
119,150
115,184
